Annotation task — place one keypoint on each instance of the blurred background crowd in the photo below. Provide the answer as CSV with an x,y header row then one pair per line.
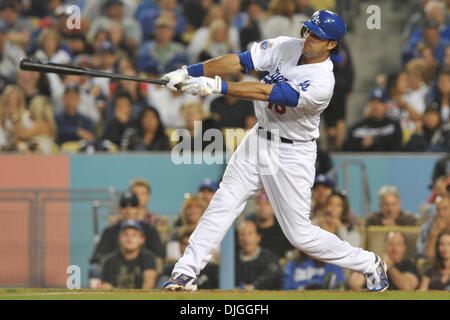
x,y
139,248
404,108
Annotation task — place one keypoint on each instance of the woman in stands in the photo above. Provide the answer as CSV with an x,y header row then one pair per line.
x,y
338,219
12,112
437,277
40,136
150,134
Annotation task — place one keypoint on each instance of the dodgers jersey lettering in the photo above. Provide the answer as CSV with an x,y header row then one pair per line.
x,y
314,83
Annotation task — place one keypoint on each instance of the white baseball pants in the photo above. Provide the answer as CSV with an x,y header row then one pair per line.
x,y
286,172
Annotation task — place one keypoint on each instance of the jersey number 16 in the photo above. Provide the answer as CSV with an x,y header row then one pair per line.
x,y
278,109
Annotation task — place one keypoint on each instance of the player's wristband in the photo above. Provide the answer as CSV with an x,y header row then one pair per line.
x,y
224,89
196,70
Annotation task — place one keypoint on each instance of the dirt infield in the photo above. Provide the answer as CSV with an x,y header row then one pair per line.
x,y
64,294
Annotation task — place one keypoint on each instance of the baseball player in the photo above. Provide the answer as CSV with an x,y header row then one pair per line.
x,y
288,103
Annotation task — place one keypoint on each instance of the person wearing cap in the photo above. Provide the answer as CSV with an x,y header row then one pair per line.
x,y
272,237
159,55
430,35
376,132
279,152
207,189
115,11
132,266
108,56
19,26
322,188
128,210
72,125
10,55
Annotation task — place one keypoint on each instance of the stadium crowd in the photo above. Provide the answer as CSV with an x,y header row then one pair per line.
x,y
408,110
139,248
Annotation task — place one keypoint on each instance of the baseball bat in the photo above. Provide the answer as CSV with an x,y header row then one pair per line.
x,y
50,67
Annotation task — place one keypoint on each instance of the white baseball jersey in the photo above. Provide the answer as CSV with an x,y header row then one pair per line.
x,y
313,82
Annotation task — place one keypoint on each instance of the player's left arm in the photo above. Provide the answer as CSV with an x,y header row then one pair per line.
x,y
278,93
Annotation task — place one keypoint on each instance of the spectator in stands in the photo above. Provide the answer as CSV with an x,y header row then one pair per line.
x,y
415,21
306,273
89,93
191,212
109,59
391,213
339,220
132,266
128,211
376,132
148,12
437,277
40,136
430,230
321,190
28,82
281,20
50,48
256,268
431,65
149,135
235,16
161,97
218,43
430,37
304,9
430,135
115,128
136,90
335,114
231,112
397,108
441,168
418,89
272,237
19,26
72,125
256,12
208,277
440,95
114,11
158,56
142,189
207,189
12,110
198,121
433,11
402,271
200,37
10,55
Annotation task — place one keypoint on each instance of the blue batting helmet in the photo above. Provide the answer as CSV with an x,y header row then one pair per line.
x,y
327,24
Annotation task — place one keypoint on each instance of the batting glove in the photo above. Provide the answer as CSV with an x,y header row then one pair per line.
x,y
176,77
202,86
